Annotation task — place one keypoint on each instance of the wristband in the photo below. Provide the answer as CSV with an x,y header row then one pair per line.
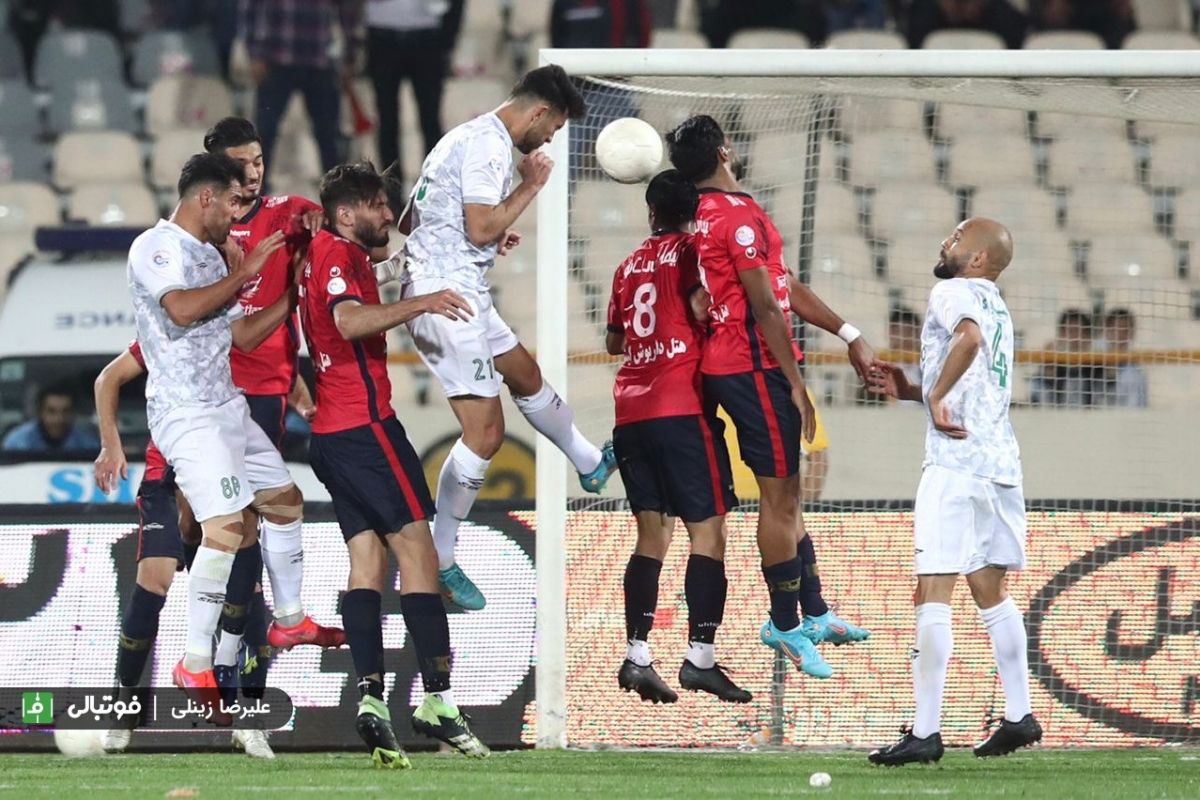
x,y
848,333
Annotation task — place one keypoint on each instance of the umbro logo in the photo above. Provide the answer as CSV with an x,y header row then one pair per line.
x,y
153,526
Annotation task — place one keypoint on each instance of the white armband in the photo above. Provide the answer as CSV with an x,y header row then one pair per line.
x,y
848,333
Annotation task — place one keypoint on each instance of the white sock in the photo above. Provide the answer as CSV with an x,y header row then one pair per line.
x,y
553,418
1010,646
935,642
702,654
206,599
227,648
638,652
283,555
459,482
446,697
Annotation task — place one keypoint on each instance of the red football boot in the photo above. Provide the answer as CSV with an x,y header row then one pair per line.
x,y
306,631
202,688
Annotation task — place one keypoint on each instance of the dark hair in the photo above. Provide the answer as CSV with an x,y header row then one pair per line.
x,y
53,391
903,315
673,198
230,132
209,169
694,147
1117,315
1077,316
349,184
553,86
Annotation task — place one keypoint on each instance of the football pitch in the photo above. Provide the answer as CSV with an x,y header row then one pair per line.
x,y
1052,774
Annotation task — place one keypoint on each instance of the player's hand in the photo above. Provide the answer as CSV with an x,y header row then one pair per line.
x,y
808,414
508,241
306,410
312,221
862,357
939,410
257,259
535,169
234,255
109,465
887,379
448,303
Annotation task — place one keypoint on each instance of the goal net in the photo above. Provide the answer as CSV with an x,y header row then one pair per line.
x,y
866,164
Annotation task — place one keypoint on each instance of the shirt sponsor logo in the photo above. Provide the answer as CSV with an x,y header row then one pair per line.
x,y
336,286
744,236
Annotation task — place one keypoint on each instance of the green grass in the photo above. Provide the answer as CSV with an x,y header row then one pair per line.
x,y
1053,774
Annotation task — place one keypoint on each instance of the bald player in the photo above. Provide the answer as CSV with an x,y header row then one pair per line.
x,y
970,510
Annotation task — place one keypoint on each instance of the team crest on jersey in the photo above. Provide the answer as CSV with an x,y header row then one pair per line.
x,y
335,286
751,252
744,236
335,272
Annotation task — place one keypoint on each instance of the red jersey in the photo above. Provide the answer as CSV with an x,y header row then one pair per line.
x,y
270,368
156,464
734,234
353,387
663,343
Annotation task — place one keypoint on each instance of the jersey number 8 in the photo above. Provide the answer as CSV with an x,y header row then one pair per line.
x,y
643,309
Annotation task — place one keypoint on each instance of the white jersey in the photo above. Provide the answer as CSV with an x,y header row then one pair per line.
x,y
186,365
980,399
471,164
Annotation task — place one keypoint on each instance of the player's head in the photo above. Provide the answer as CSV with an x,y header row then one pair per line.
x,y
545,99
671,200
698,148
238,138
356,204
210,189
978,248
1119,328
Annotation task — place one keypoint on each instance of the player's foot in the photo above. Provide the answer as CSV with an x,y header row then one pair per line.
x,y
202,688
1010,736
306,631
374,726
646,682
797,647
595,480
253,742
712,680
459,589
829,627
909,750
440,720
117,740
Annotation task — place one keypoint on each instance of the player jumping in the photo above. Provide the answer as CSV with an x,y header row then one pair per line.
x,y
970,510
361,452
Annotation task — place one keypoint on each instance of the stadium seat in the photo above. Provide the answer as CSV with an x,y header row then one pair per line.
x,y
1115,259
134,15
1161,15
23,159
14,247
1035,303
891,157
864,300
1187,219
899,209
1160,40
12,65
1153,130
186,101
115,204
911,258
768,39
528,16
957,119
1021,208
984,159
26,205
842,257
775,159
1085,158
66,56
866,40
1116,208
19,114
861,115
1053,125
962,40
608,208
1063,40
1175,161
96,157
159,53
466,98
667,38
91,105
171,150
1149,299
835,206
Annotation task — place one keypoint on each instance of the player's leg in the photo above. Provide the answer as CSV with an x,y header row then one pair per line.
x,y
247,569
821,623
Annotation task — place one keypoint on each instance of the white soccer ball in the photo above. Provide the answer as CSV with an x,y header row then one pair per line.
x,y
629,150
79,743
819,780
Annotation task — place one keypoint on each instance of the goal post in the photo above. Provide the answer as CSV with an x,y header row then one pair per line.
x,y
866,159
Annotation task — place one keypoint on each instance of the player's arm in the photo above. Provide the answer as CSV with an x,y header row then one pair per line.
x,y
889,379
356,320
107,389
812,309
249,332
964,346
698,301
486,223
188,306
301,399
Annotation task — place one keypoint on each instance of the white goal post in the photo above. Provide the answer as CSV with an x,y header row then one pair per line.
x,y
942,68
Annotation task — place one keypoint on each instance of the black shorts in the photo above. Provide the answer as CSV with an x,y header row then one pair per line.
x,y
675,465
374,477
270,412
766,420
158,522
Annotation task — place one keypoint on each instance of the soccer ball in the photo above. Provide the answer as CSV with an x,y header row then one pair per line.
x,y
629,150
79,743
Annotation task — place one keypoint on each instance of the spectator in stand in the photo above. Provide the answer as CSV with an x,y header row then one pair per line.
x,y
1111,20
410,40
291,48
996,16
28,20
53,430
721,19
1125,383
1070,384
845,15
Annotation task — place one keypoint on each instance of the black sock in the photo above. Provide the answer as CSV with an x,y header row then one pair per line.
x,y
189,553
254,682
370,687
363,622
783,581
641,596
811,601
425,618
138,630
247,571
704,585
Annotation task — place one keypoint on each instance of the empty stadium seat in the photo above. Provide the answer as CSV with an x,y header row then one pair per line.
x,y
668,38
66,56
608,208
866,40
23,159
27,205
781,158
843,258
1162,15
899,209
1035,304
891,157
1187,218
466,98
1063,40
863,300
1100,208
12,65
186,101
1114,259
91,105
19,114
114,204
1160,40
962,40
768,39
1055,125
159,53
1175,161
986,160
171,150
835,208
911,258
96,157
861,115
1024,209
1083,158
955,120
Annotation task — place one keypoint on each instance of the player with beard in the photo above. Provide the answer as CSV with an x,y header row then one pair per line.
x,y
969,515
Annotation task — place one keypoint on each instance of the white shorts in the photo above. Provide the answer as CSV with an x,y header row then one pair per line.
x,y
461,354
963,524
221,457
